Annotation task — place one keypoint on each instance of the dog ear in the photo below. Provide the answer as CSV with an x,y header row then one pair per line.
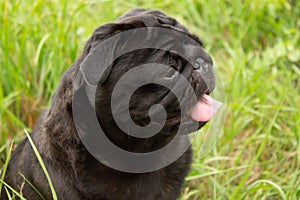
x,y
100,51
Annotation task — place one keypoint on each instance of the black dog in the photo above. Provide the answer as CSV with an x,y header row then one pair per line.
x,y
75,173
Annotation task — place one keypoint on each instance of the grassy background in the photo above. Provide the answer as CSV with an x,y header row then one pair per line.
x,y
255,44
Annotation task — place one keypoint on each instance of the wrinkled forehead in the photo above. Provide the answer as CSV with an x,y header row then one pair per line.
x,y
156,18
142,13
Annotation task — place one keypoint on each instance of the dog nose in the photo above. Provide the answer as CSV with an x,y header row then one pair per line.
x,y
201,65
204,71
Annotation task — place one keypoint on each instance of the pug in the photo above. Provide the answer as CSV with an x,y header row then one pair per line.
x,y
77,174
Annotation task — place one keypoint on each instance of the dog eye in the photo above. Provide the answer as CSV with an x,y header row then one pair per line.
x,y
170,73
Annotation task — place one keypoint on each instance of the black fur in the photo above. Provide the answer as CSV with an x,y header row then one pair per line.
x,y
75,173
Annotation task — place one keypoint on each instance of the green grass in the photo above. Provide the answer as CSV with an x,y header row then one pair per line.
x,y
255,45
41,162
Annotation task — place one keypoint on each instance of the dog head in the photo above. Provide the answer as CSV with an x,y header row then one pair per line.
x,y
198,71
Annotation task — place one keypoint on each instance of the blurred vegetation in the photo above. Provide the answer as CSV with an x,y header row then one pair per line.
x,y
255,45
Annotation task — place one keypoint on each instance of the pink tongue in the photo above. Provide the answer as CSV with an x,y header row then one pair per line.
x,y
205,109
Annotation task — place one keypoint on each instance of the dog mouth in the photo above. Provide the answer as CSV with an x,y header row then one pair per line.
x,y
201,111
205,109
